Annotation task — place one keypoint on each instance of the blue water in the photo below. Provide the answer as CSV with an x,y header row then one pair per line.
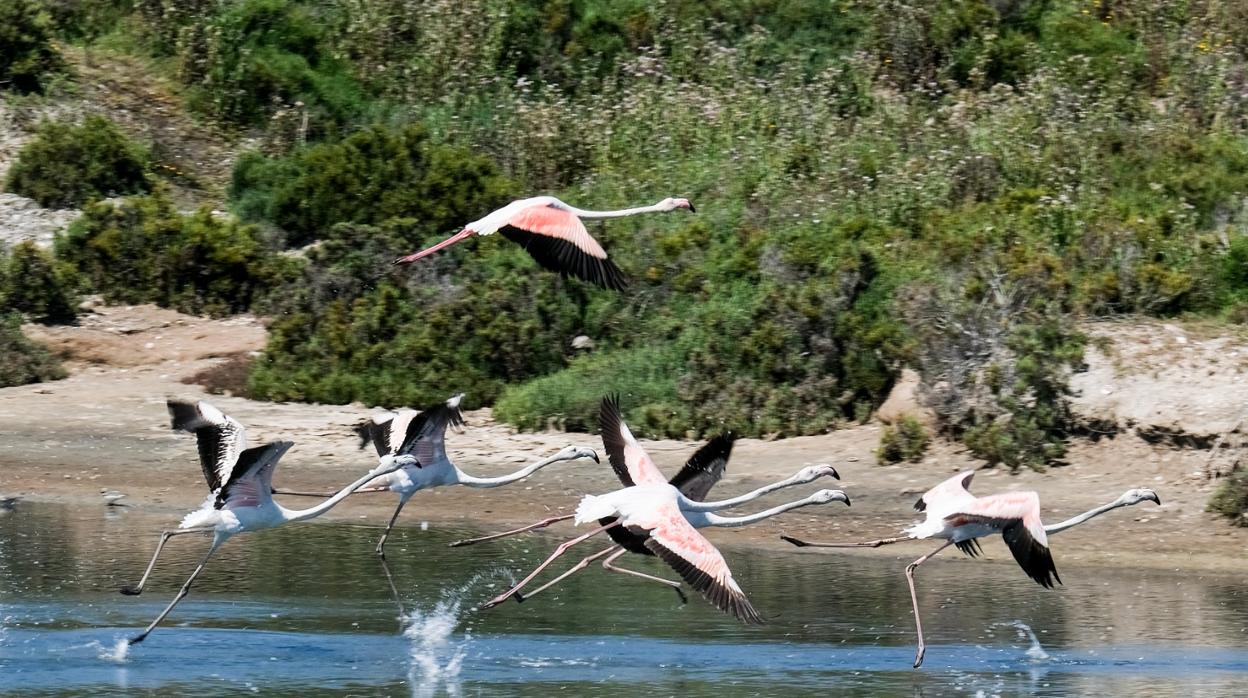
x,y
307,610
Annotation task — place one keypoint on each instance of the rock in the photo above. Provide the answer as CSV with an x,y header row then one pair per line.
x,y
582,342
904,401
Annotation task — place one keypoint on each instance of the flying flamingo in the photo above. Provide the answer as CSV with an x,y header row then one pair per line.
x,y
554,235
423,436
960,518
662,516
695,480
241,481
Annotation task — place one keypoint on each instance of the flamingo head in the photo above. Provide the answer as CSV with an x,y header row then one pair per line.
x,y
1136,496
813,472
826,496
577,452
671,204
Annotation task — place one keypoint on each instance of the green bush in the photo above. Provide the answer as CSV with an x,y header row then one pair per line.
x,y
1231,498
24,361
66,166
141,250
33,284
27,55
907,440
370,177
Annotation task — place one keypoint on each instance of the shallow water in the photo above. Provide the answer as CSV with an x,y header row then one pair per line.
x,y
308,609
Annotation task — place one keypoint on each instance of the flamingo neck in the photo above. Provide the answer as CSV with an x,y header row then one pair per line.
x,y
313,512
1091,513
595,215
736,521
467,480
690,505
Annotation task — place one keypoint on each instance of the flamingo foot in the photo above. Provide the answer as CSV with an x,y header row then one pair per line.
x,y
131,590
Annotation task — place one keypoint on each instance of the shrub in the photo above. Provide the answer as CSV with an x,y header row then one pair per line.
x,y
141,250
907,440
66,165
24,361
26,51
33,284
370,177
1231,498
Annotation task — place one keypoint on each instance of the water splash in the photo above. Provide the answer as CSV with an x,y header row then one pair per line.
x,y
1034,652
437,653
116,654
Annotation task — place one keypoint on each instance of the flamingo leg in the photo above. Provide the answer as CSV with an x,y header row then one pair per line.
x,y
868,544
914,598
394,590
381,544
186,589
606,565
563,548
571,571
164,538
531,527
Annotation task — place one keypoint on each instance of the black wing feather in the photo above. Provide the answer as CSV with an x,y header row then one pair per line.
x,y
609,420
722,597
249,461
431,423
562,256
704,468
378,434
970,547
1035,559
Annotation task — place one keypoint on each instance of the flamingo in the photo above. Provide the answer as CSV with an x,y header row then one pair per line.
x,y
960,518
240,480
695,480
661,517
554,235
423,436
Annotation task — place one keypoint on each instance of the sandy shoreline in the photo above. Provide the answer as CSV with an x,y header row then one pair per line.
x,y
105,427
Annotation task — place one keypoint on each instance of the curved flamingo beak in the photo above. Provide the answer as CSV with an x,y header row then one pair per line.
x,y
457,237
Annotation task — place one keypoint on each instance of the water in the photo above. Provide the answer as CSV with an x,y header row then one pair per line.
x,y
309,610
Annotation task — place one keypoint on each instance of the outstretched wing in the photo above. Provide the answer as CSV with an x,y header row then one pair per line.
x,y
631,463
251,483
558,240
699,563
953,489
424,434
376,430
704,468
220,437
1017,516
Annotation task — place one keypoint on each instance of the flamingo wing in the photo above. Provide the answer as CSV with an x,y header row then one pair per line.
x,y
699,563
558,240
1017,516
251,482
631,463
424,434
220,438
955,488
376,430
705,468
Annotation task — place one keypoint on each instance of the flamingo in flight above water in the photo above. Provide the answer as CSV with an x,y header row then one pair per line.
x,y
662,518
695,480
960,518
422,435
241,483
554,235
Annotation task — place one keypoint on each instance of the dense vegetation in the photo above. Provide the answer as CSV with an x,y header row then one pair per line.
x,y
27,56
67,165
34,287
942,185
1231,498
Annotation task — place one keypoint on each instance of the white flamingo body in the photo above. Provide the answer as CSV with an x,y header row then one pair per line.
x,y
554,234
659,516
421,435
960,518
241,481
